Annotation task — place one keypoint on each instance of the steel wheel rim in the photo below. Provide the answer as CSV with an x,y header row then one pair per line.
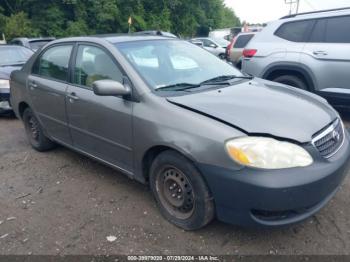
x,y
176,192
33,128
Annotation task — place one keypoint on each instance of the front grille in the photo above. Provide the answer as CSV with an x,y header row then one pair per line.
x,y
330,139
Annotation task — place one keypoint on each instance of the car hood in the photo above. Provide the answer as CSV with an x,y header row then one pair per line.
x,y
263,107
5,71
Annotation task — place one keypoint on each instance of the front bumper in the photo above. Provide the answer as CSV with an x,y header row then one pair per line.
x,y
253,197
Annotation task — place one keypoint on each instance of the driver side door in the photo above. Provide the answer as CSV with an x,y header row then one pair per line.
x,y
100,126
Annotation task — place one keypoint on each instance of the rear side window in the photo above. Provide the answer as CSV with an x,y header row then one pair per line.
x,y
54,62
338,30
242,41
295,31
92,64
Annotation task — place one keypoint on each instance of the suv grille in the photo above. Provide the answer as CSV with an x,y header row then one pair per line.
x,y
329,140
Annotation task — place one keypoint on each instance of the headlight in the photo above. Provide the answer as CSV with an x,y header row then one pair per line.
x,y
267,153
4,83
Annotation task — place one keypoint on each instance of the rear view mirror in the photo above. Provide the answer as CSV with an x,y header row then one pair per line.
x,y
110,88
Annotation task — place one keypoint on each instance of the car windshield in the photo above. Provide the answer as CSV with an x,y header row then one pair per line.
x,y
171,62
37,44
14,55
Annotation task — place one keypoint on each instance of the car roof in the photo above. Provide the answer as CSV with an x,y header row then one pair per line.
x,y
114,38
317,14
34,39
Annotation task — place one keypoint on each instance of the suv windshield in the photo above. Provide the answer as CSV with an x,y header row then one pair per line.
x,y
14,55
172,62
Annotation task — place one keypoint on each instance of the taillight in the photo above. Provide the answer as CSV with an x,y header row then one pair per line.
x,y
249,52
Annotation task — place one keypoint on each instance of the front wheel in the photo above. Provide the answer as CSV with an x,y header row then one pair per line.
x,y
35,133
292,81
180,191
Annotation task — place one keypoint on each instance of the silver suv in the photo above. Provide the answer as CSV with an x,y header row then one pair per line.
x,y
310,51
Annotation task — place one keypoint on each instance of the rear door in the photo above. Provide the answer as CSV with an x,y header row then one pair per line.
x,y
100,125
47,86
328,54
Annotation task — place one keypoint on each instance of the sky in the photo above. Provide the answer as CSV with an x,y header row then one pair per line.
x,y
261,11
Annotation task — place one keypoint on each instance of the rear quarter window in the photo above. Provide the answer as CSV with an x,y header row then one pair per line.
x,y
295,31
242,41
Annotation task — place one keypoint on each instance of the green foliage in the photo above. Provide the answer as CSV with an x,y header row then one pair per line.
x,y
18,25
62,18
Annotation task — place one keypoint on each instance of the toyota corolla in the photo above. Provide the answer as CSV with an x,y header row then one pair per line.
x,y
208,140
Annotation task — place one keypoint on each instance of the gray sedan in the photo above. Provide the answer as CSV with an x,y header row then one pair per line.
x,y
208,140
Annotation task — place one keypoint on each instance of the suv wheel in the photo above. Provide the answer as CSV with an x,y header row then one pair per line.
x,y
34,131
180,191
292,81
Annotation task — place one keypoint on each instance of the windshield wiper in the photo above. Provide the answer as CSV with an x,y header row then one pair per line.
x,y
223,79
177,87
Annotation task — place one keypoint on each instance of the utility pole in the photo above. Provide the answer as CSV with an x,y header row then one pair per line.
x,y
298,2
291,3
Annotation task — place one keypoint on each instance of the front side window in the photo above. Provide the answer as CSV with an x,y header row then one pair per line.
x,y
338,30
295,31
168,62
54,62
92,64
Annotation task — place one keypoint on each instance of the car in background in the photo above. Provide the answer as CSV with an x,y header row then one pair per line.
x,y
216,46
11,58
310,51
207,139
155,32
31,43
234,51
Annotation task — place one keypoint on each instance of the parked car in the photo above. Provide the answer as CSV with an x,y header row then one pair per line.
x,y
234,51
155,32
11,58
196,42
206,138
215,46
310,51
31,43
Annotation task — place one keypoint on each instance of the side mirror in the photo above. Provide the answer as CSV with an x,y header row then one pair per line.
x,y
110,88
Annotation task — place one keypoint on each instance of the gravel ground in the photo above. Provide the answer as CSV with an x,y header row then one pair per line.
x,y
60,202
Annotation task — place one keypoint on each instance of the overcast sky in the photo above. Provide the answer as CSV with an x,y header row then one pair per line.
x,y
260,11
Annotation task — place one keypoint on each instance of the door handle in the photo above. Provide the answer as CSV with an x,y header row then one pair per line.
x,y
320,52
72,97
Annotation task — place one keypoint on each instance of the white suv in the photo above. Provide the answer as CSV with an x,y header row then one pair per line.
x,y
310,51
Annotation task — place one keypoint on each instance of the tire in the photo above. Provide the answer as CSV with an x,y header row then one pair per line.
x,y
222,56
180,191
35,133
292,81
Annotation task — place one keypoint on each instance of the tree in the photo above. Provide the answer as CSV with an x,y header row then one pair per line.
x,y
62,18
18,25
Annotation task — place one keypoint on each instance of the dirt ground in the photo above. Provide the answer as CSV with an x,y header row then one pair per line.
x,y
60,202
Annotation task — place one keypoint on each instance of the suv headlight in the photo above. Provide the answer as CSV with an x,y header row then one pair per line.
x,y
4,83
267,153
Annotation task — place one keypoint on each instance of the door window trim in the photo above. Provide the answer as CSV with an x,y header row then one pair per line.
x,y
74,61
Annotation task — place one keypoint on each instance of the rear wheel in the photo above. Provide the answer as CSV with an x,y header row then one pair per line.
x,y
34,131
291,80
180,191
222,56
